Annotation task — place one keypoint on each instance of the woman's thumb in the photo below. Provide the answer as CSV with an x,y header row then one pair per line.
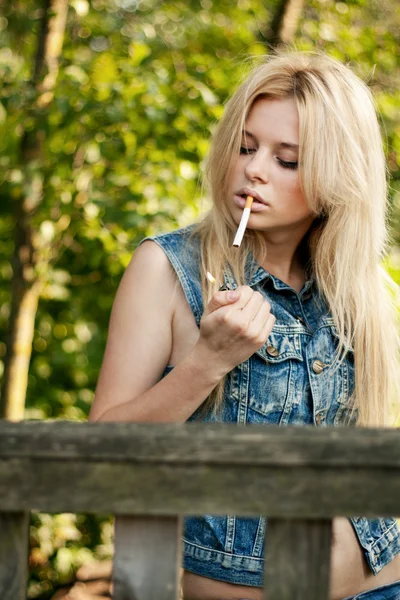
x,y
222,299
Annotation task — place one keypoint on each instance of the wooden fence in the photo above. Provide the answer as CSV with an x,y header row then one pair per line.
x,y
151,475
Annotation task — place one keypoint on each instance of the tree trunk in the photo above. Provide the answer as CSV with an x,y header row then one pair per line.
x,y
24,302
283,27
26,284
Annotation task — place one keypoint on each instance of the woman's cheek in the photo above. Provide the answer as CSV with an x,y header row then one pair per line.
x,y
294,184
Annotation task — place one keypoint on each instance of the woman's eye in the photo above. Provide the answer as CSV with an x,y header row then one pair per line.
x,y
244,150
288,165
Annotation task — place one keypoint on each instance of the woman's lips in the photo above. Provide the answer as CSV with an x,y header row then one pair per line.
x,y
256,206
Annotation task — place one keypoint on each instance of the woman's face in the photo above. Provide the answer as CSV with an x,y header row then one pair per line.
x,y
267,168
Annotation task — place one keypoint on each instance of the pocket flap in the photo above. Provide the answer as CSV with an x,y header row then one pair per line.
x,y
331,324
280,346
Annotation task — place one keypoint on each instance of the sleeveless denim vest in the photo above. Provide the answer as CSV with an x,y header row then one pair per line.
x,y
289,381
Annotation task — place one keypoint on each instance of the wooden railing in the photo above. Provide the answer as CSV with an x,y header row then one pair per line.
x,y
151,475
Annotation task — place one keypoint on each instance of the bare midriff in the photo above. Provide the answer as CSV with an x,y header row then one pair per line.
x,y
350,573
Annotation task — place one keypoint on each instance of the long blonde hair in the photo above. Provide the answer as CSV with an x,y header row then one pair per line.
x,y
343,176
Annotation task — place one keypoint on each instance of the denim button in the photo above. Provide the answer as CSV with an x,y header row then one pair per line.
x,y
318,366
272,351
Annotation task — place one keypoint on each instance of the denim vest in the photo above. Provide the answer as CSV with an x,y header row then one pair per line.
x,y
288,381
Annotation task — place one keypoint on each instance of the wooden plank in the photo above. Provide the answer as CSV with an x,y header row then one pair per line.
x,y
14,546
130,488
147,558
216,443
297,559
194,469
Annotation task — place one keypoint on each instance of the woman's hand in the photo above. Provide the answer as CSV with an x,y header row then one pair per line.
x,y
234,326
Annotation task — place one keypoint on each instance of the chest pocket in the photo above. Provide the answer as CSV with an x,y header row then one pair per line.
x,y
274,373
281,345
334,386
345,415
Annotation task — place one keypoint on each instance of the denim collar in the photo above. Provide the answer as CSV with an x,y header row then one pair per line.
x,y
255,274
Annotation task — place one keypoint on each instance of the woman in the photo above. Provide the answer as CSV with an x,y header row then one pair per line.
x,y
307,333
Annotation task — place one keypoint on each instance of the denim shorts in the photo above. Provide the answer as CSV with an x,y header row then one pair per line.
x,y
390,591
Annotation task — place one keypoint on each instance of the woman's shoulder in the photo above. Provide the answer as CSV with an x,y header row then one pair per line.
x,y
181,247
177,236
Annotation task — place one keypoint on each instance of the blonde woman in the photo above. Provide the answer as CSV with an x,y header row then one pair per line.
x,y
307,332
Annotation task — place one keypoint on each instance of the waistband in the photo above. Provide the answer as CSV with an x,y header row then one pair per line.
x,y
390,591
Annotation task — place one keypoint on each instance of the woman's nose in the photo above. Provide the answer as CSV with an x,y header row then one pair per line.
x,y
257,167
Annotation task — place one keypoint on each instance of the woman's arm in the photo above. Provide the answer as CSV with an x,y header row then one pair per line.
x,y
140,342
139,346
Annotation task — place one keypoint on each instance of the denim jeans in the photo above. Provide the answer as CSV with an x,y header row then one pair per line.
x,y
390,591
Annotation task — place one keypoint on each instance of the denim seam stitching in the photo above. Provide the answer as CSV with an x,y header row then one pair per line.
x,y
393,526
211,551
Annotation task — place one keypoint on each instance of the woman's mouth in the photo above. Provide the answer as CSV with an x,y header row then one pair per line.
x,y
257,206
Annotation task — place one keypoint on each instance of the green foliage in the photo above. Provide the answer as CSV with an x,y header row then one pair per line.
x,y
365,35
60,544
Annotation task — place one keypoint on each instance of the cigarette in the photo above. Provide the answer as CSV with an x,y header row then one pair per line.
x,y
243,222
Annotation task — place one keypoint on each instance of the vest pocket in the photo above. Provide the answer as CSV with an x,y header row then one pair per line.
x,y
272,381
345,415
281,346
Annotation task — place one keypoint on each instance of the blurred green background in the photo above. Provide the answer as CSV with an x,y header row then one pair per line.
x,y
104,131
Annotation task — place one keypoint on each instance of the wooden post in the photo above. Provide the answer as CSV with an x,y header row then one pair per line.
x,y
297,559
147,558
14,545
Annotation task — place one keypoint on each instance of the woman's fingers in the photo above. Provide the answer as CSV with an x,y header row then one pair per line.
x,y
238,298
261,324
231,333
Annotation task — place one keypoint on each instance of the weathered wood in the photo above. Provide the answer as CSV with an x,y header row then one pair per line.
x,y
170,489
194,468
297,559
14,545
147,558
131,469
216,443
